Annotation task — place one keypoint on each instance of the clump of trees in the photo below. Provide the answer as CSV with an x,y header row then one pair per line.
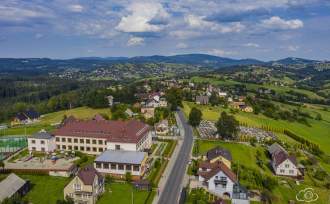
x,y
227,126
195,117
174,98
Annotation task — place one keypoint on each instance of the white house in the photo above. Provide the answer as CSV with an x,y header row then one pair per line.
x,y
283,164
118,162
42,142
162,128
222,94
218,178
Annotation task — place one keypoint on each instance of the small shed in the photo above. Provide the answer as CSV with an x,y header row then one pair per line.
x,y
13,185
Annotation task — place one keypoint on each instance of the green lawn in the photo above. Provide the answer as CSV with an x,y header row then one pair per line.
x,y
241,153
45,189
121,193
52,118
318,132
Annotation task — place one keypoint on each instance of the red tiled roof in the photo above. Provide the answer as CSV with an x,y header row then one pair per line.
x,y
113,131
215,168
281,156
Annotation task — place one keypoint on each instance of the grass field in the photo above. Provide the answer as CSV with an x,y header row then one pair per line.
x,y
318,132
241,153
45,189
121,193
47,120
250,86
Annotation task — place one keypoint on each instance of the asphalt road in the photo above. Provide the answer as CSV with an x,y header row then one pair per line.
x,y
172,189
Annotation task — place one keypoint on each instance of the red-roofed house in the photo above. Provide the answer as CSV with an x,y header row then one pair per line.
x,y
218,178
86,187
96,136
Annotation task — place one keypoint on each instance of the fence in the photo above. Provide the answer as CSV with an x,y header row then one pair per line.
x,y
9,145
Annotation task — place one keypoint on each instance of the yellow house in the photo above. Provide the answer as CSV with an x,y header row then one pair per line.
x,y
218,154
85,187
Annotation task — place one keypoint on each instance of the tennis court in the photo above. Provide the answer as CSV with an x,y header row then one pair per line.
x,y
9,145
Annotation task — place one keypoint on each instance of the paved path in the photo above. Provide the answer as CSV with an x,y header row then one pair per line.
x,y
173,186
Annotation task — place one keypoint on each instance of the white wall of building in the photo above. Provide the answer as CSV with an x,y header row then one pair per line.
x,y
41,145
219,189
286,168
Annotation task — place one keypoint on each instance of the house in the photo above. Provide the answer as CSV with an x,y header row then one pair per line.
x,y
222,94
118,162
26,117
110,100
246,108
218,154
162,102
13,186
217,177
85,187
148,112
240,195
94,137
202,100
283,164
42,142
162,128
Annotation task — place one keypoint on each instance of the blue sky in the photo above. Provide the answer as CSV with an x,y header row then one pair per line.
x,y
261,29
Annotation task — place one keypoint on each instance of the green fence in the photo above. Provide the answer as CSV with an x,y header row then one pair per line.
x,y
11,144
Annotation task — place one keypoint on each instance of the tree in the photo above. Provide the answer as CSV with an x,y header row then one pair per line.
x,y
174,98
227,126
128,176
318,117
214,99
195,117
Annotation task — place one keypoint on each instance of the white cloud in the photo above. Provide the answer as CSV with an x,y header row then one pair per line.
x,y
38,35
10,13
198,22
220,52
255,45
181,45
276,22
293,48
141,13
185,34
76,8
134,41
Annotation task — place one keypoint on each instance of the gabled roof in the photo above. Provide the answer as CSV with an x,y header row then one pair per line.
x,y
130,131
29,114
42,135
10,185
279,155
215,168
218,151
88,174
275,148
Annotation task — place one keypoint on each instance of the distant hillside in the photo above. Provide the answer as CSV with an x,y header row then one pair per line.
x,y
294,60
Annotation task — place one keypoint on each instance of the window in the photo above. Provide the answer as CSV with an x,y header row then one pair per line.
x,y
98,165
88,149
88,141
69,140
94,141
291,171
94,149
113,166
287,165
282,170
105,165
42,142
75,140
100,142
63,147
33,141
82,141
63,139
100,149
75,147
57,139
77,187
70,147
34,148
42,149
117,147
136,168
128,167
82,149
58,147
121,167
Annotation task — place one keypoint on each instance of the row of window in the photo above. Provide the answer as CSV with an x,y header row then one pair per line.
x,y
81,141
41,141
81,148
34,149
283,171
113,166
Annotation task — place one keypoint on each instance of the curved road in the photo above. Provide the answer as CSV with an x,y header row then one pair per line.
x,y
173,186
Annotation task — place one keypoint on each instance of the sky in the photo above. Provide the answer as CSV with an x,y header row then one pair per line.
x,y
261,29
